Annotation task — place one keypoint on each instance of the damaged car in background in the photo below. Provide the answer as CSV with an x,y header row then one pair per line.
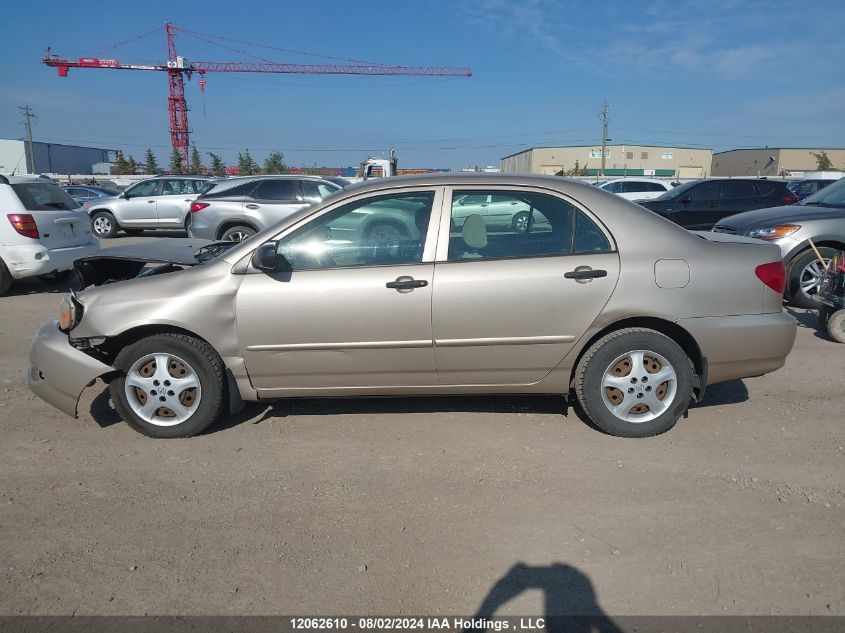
x,y
634,323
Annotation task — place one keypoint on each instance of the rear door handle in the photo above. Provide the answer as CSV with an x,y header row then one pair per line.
x,y
584,274
252,206
406,283
150,201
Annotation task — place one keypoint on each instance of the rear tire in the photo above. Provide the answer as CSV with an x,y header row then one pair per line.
x,y
5,278
836,326
171,385
634,382
802,277
237,233
103,224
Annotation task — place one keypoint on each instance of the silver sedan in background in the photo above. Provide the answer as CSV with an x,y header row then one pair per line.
x,y
604,302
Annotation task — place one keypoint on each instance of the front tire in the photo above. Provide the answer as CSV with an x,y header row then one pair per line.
x,y
520,222
171,385
5,278
802,277
836,326
237,233
634,382
103,224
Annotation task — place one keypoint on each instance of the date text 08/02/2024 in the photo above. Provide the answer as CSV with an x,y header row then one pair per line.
x,y
425,623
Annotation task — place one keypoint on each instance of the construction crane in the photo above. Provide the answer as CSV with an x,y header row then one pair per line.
x,y
177,68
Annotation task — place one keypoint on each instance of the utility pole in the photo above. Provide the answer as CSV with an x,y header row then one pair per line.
x,y
27,122
603,116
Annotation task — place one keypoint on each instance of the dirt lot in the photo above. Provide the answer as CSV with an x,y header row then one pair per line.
x,y
423,505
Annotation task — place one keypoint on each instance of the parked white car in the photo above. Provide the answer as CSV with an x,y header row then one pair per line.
x,y
42,231
637,188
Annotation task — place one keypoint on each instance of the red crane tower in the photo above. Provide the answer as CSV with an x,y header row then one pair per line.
x,y
177,68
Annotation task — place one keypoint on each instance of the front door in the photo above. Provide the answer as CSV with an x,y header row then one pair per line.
x,y
699,206
509,305
139,207
354,312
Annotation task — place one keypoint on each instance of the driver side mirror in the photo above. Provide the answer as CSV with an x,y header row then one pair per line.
x,y
267,258
123,195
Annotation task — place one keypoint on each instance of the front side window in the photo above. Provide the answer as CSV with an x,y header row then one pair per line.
x,y
737,189
538,225
381,231
144,189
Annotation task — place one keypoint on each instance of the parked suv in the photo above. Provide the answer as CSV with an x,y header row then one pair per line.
x,y
240,207
699,204
637,188
42,231
821,218
157,203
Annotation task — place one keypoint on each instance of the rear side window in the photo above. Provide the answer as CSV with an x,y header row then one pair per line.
x,y
201,186
42,196
317,190
535,225
278,190
652,186
230,190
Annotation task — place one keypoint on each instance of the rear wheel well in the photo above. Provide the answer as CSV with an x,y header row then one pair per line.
x,y
228,224
668,328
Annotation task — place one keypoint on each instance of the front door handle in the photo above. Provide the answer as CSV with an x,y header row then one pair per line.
x,y
406,283
585,274
150,201
252,206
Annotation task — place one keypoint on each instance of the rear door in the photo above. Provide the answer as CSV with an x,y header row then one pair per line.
x,y
735,197
274,199
509,305
175,200
60,221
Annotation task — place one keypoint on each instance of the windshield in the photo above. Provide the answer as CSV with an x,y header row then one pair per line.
x,y
42,196
831,196
680,190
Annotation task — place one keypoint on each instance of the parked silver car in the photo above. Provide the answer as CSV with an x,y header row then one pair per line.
x,y
156,203
820,217
240,207
607,302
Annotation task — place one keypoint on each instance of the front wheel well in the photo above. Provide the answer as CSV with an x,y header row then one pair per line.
x,y
667,328
823,244
111,347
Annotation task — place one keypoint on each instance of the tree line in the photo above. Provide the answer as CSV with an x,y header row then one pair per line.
x,y
247,166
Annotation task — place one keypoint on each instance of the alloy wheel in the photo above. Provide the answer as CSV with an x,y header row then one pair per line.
x,y
639,386
810,283
162,389
102,225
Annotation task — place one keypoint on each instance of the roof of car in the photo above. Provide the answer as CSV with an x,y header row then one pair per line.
x,y
14,180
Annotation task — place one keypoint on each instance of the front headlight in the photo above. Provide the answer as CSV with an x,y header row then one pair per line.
x,y
70,312
774,232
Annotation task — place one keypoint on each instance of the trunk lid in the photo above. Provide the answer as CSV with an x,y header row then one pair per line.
x,y
60,220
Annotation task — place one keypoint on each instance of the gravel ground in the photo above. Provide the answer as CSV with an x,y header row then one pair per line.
x,y
416,505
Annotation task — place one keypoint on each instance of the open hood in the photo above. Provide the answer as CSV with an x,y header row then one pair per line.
x,y
128,261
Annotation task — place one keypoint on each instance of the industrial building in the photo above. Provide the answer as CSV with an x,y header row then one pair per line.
x,y
620,160
773,161
51,158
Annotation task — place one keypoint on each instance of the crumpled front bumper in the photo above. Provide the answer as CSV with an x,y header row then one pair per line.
x,y
58,372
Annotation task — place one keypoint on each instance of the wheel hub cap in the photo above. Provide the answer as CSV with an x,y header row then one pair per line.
x,y
811,277
639,386
162,389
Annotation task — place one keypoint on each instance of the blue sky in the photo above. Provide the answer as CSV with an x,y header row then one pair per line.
x,y
721,74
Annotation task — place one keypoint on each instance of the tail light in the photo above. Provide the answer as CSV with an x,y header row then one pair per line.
x,y
790,198
773,275
198,206
24,224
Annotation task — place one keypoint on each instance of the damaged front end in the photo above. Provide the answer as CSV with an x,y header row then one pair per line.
x,y
144,259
